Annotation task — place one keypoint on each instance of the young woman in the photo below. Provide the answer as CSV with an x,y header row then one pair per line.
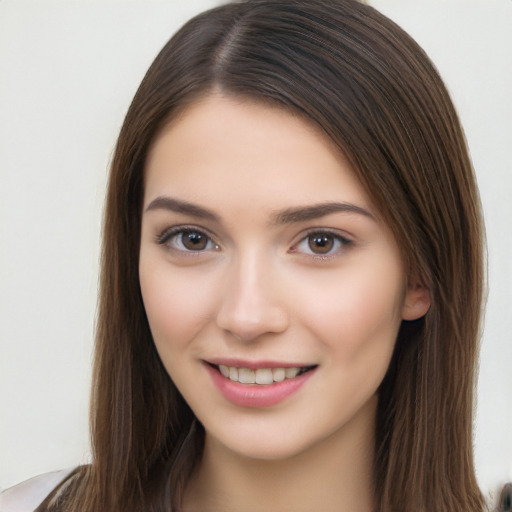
x,y
291,277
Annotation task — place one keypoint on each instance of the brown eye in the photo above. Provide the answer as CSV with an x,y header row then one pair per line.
x,y
321,243
186,240
194,241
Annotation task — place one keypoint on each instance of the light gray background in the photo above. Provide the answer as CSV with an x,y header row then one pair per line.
x,y
68,70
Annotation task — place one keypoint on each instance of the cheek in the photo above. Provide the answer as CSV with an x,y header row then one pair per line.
x,y
358,308
177,304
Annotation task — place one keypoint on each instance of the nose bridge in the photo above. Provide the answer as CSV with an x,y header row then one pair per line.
x,y
250,305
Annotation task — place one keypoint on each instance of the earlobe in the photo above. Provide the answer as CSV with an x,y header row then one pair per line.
x,y
417,299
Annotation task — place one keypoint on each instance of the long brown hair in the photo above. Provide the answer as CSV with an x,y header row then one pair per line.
x,y
355,74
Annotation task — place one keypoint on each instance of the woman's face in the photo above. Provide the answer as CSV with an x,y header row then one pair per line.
x,y
273,292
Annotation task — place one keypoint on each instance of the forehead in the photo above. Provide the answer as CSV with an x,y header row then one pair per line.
x,y
222,148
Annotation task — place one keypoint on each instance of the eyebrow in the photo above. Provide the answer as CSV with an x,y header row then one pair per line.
x,y
305,213
286,216
175,205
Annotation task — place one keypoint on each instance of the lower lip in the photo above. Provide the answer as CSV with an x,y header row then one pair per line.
x,y
257,395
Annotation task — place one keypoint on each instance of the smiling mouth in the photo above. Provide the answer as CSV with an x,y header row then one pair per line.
x,y
262,376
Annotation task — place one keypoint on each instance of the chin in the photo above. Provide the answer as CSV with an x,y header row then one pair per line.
x,y
266,449
266,442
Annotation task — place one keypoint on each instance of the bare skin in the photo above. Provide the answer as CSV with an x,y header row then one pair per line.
x,y
260,251
337,471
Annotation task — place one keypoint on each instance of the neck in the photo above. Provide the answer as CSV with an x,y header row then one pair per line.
x,y
334,475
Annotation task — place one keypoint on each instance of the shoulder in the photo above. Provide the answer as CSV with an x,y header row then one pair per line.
x,y
26,497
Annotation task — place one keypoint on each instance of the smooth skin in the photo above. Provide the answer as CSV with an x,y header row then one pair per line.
x,y
240,258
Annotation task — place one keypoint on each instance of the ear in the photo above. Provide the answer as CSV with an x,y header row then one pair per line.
x,y
417,299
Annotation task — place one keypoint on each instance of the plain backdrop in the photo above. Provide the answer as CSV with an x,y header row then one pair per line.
x,y
68,71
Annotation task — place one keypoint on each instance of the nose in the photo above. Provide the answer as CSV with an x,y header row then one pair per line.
x,y
250,306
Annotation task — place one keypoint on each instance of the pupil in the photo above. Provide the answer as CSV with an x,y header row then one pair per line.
x,y
194,241
320,244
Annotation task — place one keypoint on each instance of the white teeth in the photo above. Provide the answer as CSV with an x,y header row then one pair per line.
x,y
262,376
279,374
246,376
291,372
233,373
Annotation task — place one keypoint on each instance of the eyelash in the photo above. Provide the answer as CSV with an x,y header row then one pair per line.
x,y
166,238
339,242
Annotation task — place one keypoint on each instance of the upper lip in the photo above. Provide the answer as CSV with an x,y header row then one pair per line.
x,y
254,365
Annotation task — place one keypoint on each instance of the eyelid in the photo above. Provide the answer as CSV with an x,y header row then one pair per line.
x,y
168,233
345,241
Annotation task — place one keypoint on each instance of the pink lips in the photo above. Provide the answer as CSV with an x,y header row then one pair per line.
x,y
255,395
